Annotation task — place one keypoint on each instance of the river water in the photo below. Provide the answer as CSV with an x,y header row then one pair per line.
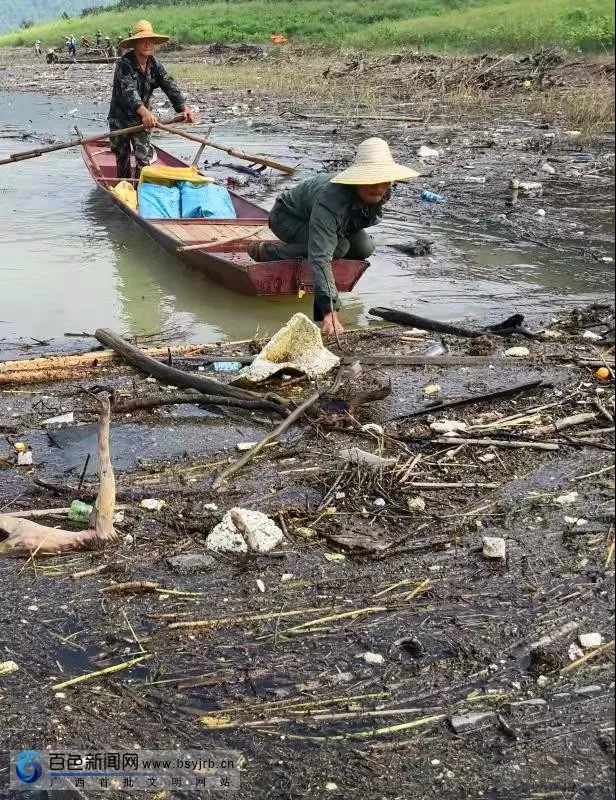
x,y
71,262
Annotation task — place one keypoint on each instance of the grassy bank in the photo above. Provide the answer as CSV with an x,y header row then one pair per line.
x,y
448,25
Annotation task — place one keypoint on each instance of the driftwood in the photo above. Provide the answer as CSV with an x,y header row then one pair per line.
x,y
478,398
26,537
278,431
384,360
562,424
176,377
144,403
507,443
60,368
250,454
509,327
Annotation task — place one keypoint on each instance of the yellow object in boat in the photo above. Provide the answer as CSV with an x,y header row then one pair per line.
x,y
126,192
167,176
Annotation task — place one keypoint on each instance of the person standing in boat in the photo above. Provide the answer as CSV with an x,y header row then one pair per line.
x,y
324,218
138,73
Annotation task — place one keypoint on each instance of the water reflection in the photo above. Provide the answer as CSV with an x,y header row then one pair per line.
x,y
155,289
71,261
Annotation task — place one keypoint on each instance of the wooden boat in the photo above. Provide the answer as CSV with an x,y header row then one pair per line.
x,y
217,248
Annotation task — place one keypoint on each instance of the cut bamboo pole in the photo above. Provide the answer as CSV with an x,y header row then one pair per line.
x,y
193,137
52,148
209,245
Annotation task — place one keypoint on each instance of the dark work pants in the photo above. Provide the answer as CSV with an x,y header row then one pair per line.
x,y
121,147
294,233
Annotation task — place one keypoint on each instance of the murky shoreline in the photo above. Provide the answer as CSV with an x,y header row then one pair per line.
x,y
71,262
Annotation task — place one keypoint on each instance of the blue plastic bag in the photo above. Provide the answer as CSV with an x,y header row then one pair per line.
x,y
159,202
206,200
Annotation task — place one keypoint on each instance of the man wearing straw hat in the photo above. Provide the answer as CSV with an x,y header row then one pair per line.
x,y
138,73
324,218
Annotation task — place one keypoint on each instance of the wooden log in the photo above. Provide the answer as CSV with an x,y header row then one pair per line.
x,y
144,403
477,398
170,375
226,149
508,327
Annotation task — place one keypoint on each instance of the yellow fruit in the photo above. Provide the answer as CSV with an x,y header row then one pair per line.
x,y
20,447
602,374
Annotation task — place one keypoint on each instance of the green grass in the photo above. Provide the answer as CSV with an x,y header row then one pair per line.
x,y
437,25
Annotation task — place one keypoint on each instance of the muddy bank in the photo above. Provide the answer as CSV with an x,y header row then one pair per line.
x,y
277,668
491,248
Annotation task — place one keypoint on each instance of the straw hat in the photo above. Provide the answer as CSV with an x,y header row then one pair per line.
x,y
374,164
143,30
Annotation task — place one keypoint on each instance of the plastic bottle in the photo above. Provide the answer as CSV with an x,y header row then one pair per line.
x,y
80,511
431,197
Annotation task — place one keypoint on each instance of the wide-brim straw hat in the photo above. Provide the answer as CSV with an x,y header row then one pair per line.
x,y
374,164
143,30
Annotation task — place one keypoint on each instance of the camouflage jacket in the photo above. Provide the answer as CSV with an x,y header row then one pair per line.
x,y
133,88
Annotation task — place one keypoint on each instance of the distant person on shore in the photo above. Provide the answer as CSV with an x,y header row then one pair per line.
x,y
99,37
72,46
37,47
109,48
138,73
86,43
324,218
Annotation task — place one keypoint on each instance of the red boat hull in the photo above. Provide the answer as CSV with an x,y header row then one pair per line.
x,y
223,257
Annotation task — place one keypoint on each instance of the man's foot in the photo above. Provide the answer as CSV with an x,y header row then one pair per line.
x,y
256,250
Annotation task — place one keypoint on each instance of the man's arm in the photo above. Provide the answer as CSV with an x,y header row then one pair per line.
x,y
322,242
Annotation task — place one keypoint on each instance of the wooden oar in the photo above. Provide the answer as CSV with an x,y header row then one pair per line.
x,y
211,243
228,150
75,143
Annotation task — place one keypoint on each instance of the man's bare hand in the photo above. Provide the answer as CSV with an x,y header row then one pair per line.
x,y
147,118
332,325
188,115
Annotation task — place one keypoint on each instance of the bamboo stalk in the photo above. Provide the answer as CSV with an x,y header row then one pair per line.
x,y
193,137
212,623
587,657
101,672
247,457
216,243
52,148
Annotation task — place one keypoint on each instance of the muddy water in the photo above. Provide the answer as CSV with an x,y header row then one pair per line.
x,y
69,261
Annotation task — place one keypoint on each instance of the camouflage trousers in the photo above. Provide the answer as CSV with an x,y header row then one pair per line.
x,y
121,147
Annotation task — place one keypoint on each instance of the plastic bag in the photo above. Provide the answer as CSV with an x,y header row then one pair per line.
x,y
125,191
206,201
159,202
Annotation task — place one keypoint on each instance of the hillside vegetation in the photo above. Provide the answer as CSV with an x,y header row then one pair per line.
x,y
451,25
15,12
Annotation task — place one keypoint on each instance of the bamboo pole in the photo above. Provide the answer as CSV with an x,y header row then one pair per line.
x,y
193,137
52,148
211,243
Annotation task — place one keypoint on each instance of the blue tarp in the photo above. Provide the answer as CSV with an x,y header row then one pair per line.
x,y
206,200
157,201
